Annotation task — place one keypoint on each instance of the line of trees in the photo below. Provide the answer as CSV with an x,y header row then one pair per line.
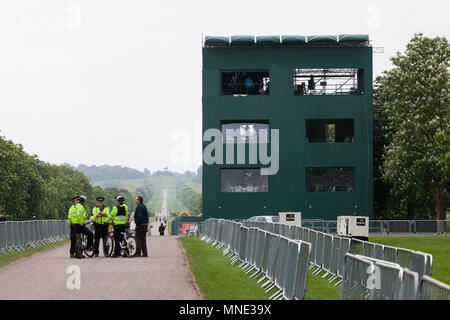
x,y
412,132
29,186
191,199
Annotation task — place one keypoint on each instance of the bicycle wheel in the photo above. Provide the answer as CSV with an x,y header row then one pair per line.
x,y
131,245
108,246
78,247
89,253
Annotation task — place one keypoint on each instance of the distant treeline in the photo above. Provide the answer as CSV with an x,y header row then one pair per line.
x,y
191,199
106,172
29,186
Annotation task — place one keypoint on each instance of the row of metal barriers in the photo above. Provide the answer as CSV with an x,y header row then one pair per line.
x,y
384,227
19,235
365,270
328,251
366,278
282,262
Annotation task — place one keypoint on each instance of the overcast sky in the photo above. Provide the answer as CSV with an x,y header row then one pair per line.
x,y
119,82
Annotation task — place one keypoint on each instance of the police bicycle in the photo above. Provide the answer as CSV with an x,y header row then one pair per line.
x,y
127,244
81,246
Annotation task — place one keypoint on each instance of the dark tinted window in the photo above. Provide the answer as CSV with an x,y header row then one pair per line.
x,y
243,180
245,82
329,179
329,130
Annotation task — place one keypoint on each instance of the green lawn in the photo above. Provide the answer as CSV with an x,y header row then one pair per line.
x,y
321,289
438,246
216,277
10,257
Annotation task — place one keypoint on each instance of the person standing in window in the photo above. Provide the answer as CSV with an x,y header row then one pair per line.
x,y
233,84
249,85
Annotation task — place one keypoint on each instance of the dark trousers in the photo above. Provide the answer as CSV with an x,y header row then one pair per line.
x,y
118,237
141,240
76,229
101,231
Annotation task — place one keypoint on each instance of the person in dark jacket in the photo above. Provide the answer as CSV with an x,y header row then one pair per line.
x,y
161,229
141,221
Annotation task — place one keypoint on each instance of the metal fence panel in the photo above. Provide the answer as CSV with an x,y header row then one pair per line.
x,y
243,242
390,282
292,268
281,265
390,254
327,252
432,289
319,249
272,255
355,278
418,263
334,263
3,236
356,246
368,249
399,226
410,285
379,251
376,227
404,257
312,238
343,250
426,226
9,232
302,270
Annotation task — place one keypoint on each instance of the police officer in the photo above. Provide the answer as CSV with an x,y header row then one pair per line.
x,y
72,212
101,223
119,219
78,220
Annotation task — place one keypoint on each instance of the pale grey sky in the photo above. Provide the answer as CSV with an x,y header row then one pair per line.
x,y
118,82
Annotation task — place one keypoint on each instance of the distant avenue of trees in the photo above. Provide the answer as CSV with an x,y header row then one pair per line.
x,y
191,199
105,172
30,186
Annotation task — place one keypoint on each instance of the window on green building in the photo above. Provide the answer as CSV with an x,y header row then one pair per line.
x,y
245,132
242,83
330,179
329,131
243,180
343,81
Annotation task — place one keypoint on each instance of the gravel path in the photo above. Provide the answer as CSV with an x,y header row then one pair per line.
x,y
163,275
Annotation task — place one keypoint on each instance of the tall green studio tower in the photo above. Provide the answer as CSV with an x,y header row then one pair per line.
x,y
303,101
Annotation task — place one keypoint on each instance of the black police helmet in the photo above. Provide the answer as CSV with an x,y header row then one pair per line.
x,y
100,199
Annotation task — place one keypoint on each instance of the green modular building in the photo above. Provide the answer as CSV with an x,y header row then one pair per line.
x,y
299,104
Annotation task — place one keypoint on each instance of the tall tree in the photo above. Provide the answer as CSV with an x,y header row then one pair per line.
x,y
415,94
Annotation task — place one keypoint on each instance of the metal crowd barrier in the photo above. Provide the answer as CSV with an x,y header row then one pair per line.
x,y
280,260
19,235
385,227
431,289
367,278
328,251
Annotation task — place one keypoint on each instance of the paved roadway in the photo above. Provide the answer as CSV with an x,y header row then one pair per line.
x,y
163,215
163,275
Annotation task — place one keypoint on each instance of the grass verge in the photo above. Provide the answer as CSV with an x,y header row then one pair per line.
x,y
6,259
321,289
438,246
216,278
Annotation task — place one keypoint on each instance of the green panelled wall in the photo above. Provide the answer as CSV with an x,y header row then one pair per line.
x,y
287,112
